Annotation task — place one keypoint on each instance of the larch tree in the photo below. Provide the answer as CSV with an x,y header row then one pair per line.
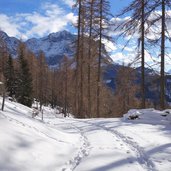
x,y
161,18
78,46
139,23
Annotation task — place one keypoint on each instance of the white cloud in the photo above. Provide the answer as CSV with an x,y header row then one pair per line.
x,y
8,25
51,18
119,25
70,3
121,58
110,47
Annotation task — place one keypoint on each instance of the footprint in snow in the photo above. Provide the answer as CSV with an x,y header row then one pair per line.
x,y
128,152
130,138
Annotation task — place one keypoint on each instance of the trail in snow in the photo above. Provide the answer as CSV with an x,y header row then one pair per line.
x,y
143,159
141,156
69,144
83,151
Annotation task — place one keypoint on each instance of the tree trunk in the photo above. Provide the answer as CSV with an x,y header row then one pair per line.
x,y
162,77
77,59
3,101
89,59
42,114
81,65
142,58
99,61
66,88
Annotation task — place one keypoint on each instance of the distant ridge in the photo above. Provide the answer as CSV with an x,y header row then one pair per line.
x,y
54,46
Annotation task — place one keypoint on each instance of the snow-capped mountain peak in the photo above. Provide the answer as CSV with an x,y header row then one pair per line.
x,y
54,46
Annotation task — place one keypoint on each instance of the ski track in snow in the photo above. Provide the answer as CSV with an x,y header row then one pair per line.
x,y
83,151
142,158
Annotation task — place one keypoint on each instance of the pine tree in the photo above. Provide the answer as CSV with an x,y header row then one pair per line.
x,y
42,79
24,80
10,80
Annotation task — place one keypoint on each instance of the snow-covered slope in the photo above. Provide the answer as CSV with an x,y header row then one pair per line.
x,y
11,43
55,46
27,144
67,144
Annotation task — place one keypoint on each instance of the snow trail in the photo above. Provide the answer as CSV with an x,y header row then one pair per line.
x,y
142,158
83,151
68,144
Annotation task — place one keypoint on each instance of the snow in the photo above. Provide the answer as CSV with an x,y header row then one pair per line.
x,y
67,144
54,45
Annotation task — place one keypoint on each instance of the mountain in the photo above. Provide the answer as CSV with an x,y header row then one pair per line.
x,y
152,82
54,46
11,43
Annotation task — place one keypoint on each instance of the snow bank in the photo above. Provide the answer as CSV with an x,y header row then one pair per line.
x,y
29,144
150,115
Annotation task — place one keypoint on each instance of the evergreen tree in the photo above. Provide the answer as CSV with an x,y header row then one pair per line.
x,y
24,80
9,74
42,79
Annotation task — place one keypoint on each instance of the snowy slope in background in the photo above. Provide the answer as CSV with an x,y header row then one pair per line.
x,y
11,43
67,144
54,46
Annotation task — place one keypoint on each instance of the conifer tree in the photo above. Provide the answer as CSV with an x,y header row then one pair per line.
x,y
42,79
10,79
24,80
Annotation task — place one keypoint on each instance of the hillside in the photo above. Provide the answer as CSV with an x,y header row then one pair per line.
x,y
67,144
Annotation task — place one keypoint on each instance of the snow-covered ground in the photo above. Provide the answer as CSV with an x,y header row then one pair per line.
x,y
67,144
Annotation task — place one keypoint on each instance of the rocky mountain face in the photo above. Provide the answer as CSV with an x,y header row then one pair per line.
x,y
10,42
54,46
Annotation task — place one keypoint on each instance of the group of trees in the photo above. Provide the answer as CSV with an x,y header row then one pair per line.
x,y
16,76
147,23
77,83
92,16
26,77
150,21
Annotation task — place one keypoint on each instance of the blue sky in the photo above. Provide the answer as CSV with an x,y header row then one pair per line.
x,y
18,17
26,6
